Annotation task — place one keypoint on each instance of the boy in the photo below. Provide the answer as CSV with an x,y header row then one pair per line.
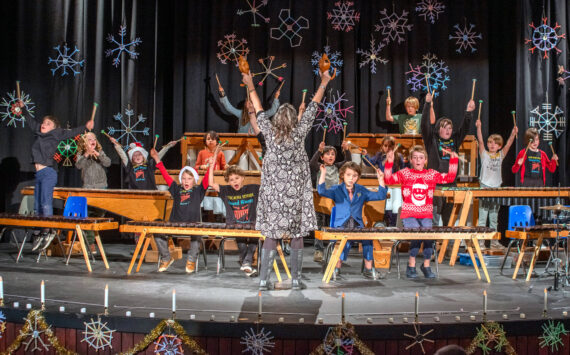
x,y
241,204
349,198
418,185
409,122
533,162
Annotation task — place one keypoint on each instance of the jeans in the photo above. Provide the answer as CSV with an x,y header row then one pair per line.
x,y
246,250
43,193
367,247
415,244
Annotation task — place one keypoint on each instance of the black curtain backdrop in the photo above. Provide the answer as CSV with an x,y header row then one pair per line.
x,y
172,82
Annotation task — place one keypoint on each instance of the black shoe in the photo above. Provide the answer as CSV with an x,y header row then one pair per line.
x,y
39,241
427,272
411,272
297,284
267,258
296,269
51,235
368,273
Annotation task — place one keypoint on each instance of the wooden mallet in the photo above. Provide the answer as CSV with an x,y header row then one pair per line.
x,y
155,139
181,139
553,152
366,159
473,89
344,124
95,105
458,157
218,80
514,117
427,84
18,94
527,146
479,115
105,133
325,132
304,95
280,86
388,88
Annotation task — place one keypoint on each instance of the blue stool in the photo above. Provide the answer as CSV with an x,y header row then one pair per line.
x,y
519,216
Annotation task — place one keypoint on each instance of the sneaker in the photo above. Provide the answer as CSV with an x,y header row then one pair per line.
x,y
93,249
427,272
252,273
318,256
164,265
38,241
368,273
190,267
51,235
411,272
246,267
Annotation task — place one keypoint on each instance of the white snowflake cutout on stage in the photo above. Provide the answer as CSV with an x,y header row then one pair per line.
x,y
343,17
97,334
257,343
254,6
548,123
129,127
12,108
120,47
465,38
429,71
372,55
430,9
65,61
393,26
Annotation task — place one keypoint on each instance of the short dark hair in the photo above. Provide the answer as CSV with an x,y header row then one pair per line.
x,y
53,119
231,170
327,149
349,165
213,134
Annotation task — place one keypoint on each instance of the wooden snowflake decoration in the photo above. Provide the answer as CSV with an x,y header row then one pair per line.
x,y
418,338
491,336
552,335
231,49
33,332
269,70
97,334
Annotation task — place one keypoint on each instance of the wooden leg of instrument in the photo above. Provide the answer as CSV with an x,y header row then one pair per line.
x,y
520,259
444,242
283,261
148,240
142,237
475,242
277,273
330,265
83,248
334,259
101,250
253,153
534,257
465,207
473,260
238,154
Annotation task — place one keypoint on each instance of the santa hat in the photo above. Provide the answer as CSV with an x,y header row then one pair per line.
x,y
136,147
191,170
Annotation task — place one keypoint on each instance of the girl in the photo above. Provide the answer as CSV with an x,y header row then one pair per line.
x,y
211,141
533,162
92,161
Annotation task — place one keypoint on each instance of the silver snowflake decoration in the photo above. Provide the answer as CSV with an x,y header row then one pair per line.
x,y
563,75
430,9
34,336
547,122
65,61
334,57
231,49
430,71
372,55
257,343
332,113
290,28
393,26
121,46
552,335
465,37
130,126
254,10
2,324
269,70
12,108
97,334
343,17
338,342
545,38
168,345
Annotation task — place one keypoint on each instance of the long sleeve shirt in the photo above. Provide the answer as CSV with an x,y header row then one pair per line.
x,y
92,169
203,156
237,113
332,177
545,163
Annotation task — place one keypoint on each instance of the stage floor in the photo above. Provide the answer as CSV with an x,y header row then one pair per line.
x,y
231,296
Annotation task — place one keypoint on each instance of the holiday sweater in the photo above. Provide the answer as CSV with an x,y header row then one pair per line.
x,y
544,162
418,187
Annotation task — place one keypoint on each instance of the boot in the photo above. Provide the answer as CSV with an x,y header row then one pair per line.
x,y
296,269
267,258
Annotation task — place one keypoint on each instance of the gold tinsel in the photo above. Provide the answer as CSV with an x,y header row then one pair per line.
x,y
158,330
491,332
36,316
343,330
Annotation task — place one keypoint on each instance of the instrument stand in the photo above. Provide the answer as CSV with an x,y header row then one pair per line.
x,y
557,261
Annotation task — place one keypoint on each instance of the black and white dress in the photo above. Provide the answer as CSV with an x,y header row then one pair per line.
x,y
285,206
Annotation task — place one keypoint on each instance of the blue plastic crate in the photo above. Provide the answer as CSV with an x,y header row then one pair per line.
x,y
465,259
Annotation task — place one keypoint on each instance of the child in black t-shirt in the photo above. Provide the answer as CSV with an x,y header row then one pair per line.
x,y
241,204
186,208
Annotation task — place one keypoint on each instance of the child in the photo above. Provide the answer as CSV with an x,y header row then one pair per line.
x,y
211,141
349,198
533,162
409,122
92,161
241,205
418,185
394,202
185,208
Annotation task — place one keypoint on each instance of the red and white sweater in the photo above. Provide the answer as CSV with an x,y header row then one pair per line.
x,y
418,187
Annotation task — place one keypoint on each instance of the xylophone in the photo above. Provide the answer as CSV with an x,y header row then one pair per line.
x,y
471,235
63,223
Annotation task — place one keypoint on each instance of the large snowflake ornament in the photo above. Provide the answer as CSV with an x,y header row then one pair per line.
x,y
563,75
168,344
343,17
290,28
338,341
129,127
334,57
254,9
269,70
34,336
372,55
430,71
545,38
419,338
257,343
65,61
552,335
547,122
231,49
430,9
465,37
122,47
332,113
97,334
393,26
2,324
12,110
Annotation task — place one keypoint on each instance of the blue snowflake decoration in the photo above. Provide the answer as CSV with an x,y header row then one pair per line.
x,y
254,9
430,9
290,28
332,113
2,324
547,122
65,61
372,55
563,75
545,38
257,343
432,72
393,26
168,345
12,108
465,38
122,47
334,57
343,17
129,127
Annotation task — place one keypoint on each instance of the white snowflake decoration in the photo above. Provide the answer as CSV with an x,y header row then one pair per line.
x,y
254,9
2,324
547,122
121,46
34,336
372,55
434,71
268,69
563,75
231,49
290,28
334,57
393,27
430,9
332,113
12,108
168,345
65,60
97,334
465,37
129,127
341,345
343,17
257,343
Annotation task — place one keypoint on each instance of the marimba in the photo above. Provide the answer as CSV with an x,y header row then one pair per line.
x,y
471,235
240,142
63,223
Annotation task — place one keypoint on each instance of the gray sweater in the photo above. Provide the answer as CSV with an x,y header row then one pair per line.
x,y
93,170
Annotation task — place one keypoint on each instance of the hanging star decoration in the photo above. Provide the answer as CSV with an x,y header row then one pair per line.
x,y
393,26
254,7
269,70
548,123
372,55
257,343
13,108
342,339
491,333
290,28
419,338
67,151
168,344
544,38
97,334
2,324
430,9
465,38
429,71
563,75
129,130
121,46
552,335
332,113
231,49
334,57
343,17
65,61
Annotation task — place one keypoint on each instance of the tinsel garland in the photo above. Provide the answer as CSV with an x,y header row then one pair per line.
x,y
337,332
491,332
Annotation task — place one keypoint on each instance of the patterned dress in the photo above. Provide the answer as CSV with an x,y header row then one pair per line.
x,y
285,206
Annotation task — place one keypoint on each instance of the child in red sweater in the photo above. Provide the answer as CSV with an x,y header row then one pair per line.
x,y
533,162
418,185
